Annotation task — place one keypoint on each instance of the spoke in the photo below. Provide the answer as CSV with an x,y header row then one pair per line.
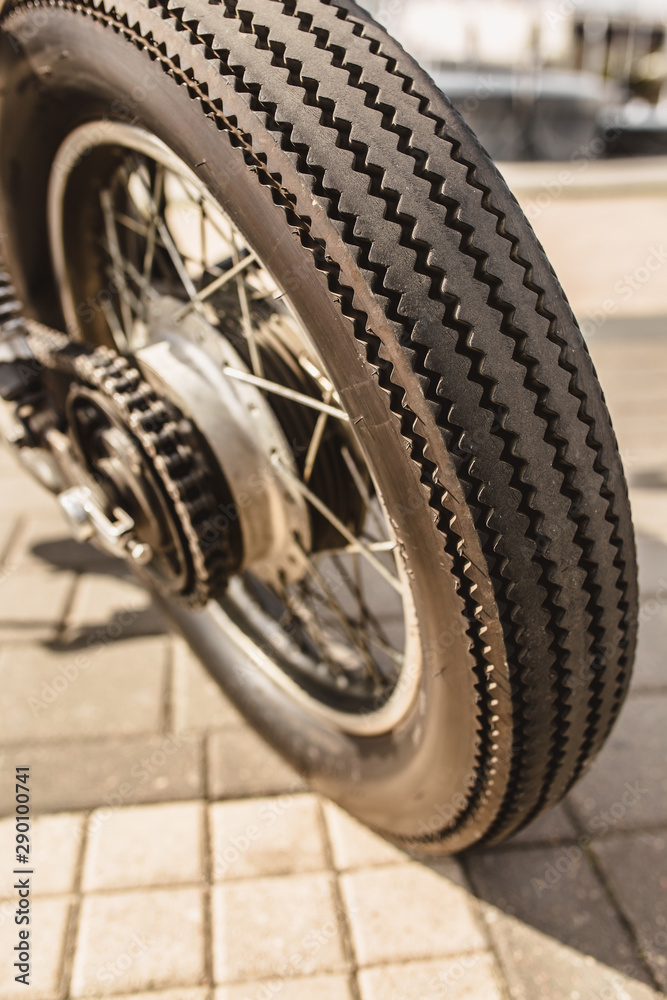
x,y
366,616
261,295
315,442
117,331
177,261
170,247
226,276
283,390
386,647
363,490
311,627
136,227
357,547
248,328
202,239
132,300
139,279
213,210
325,385
149,255
350,628
358,583
116,261
392,580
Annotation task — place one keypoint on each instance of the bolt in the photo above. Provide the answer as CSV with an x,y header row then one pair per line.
x,y
139,552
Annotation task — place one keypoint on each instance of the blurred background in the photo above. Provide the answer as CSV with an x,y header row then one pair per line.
x,y
146,781
539,79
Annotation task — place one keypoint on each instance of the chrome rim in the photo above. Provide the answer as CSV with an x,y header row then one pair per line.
x,y
326,611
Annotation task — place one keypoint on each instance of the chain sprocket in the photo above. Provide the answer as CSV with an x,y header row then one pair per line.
x,y
166,438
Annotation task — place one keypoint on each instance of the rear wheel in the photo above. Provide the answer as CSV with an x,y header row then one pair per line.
x,y
428,597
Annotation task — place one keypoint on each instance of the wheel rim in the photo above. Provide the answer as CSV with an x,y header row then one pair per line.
x,y
349,658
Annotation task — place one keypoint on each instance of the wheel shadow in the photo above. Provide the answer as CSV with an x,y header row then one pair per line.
x,y
588,878
575,904
69,555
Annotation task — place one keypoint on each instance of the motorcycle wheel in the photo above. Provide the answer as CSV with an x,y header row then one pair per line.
x,y
456,639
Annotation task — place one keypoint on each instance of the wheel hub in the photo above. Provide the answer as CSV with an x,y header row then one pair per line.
x,y
141,483
176,463
147,261
188,362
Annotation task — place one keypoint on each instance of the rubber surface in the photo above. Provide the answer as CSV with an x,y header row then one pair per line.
x,y
438,248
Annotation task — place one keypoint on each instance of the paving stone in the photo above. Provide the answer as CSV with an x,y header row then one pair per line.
x,y
625,788
271,836
48,924
144,845
354,845
103,690
553,826
55,842
116,604
45,543
133,941
652,560
9,463
650,665
536,966
32,604
635,865
630,422
281,927
8,530
556,891
594,262
198,702
112,772
406,912
447,868
242,765
648,459
309,988
474,976
179,993
21,494
649,515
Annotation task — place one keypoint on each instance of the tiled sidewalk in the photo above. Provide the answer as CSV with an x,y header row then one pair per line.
x,y
178,859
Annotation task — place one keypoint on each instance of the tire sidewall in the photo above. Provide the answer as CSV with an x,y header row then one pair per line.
x,y
414,780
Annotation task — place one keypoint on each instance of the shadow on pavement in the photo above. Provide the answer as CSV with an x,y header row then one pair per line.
x,y
68,555
576,904
591,875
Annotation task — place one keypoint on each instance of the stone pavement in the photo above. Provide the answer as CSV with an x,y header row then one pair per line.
x,y
176,858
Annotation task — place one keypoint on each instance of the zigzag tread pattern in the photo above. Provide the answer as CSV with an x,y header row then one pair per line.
x,y
445,309
623,562
488,707
263,35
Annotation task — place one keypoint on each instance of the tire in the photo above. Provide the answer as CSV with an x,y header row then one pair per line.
x,y
452,344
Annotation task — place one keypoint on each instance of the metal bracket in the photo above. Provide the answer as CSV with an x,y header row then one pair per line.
x,y
89,522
